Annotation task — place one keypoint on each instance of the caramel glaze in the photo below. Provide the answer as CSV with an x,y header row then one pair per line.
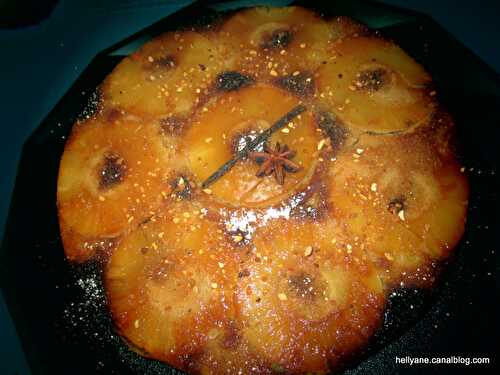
x,y
251,275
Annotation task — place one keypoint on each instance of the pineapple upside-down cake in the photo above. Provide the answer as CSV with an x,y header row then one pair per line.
x,y
255,188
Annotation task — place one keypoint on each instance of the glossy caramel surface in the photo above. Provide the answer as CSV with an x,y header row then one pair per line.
x,y
284,262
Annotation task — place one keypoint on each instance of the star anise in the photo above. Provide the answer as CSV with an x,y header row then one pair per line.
x,y
275,161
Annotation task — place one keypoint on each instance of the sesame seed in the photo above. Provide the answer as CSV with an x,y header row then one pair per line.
x,y
273,73
401,215
207,191
308,251
176,220
373,187
321,144
214,285
136,323
285,130
208,140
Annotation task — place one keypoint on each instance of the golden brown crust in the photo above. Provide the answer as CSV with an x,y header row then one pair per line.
x,y
266,270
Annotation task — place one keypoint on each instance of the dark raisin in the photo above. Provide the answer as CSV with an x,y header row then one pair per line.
x,y
396,205
277,39
165,62
371,79
181,187
301,85
243,273
171,125
112,171
231,81
302,285
333,128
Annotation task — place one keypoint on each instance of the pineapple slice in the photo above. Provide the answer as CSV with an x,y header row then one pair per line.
x,y
372,85
166,77
406,203
309,296
224,126
280,41
169,284
110,178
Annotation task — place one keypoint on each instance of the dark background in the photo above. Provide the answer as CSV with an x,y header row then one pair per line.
x,y
44,51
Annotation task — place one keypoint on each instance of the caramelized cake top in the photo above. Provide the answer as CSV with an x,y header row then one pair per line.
x,y
254,190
